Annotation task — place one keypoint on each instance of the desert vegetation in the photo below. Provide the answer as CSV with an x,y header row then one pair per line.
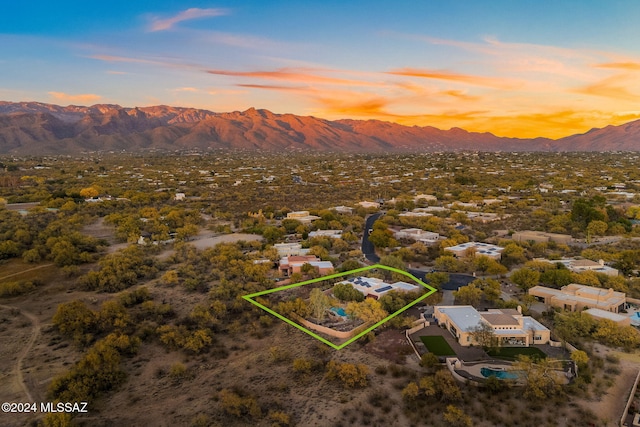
x,y
137,291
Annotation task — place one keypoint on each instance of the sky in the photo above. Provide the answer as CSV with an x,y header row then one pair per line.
x,y
518,68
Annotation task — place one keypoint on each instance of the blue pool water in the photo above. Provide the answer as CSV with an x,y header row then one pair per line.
x,y
339,311
503,375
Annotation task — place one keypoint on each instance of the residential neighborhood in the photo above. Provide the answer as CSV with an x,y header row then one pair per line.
x,y
397,282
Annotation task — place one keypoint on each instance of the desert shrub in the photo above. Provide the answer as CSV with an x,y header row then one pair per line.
x,y
349,374
233,403
11,289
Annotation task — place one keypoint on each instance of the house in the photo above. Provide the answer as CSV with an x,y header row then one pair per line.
x,y
464,249
293,264
575,297
302,216
580,265
372,287
601,314
541,237
415,213
508,325
483,217
333,234
343,209
289,249
367,205
417,234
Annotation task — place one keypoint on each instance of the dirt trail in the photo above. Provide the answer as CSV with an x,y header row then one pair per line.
x,y
34,335
24,271
612,404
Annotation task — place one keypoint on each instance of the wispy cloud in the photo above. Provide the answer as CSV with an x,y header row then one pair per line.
x,y
460,95
116,58
615,87
275,87
158,24
116,72
244,41
628,66
305,75
455,77
185,89
81,98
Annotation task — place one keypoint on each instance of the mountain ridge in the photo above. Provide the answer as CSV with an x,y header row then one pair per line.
x,y
39,128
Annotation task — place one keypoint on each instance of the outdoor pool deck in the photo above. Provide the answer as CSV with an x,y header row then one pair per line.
x,y
473,371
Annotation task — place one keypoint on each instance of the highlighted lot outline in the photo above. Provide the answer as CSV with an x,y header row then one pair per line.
x,y
251,297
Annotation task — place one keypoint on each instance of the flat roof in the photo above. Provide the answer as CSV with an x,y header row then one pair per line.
x,y
464,316
596,312
617,298
480,247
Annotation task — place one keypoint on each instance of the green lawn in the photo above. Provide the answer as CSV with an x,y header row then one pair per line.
x,y
510,353
438,345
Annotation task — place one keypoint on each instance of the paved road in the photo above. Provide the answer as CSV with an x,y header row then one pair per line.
x,y
367,247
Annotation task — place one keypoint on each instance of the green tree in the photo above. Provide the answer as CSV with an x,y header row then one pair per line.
x,y
596,228
318,303
581,358
346,292
75,320
484,335
437,279
449,264
541,379
468,295
369,310
525,278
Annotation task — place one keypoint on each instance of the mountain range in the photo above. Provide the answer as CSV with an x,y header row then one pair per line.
x,y
28,128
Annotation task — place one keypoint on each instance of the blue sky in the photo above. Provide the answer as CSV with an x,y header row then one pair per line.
x,y
514,68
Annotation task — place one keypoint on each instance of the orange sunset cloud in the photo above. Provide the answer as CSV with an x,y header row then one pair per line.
x,y
80,98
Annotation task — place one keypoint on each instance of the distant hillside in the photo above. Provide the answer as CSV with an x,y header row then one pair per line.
x,y
36,128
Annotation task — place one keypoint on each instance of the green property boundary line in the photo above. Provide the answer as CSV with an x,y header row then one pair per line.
x,y
250,297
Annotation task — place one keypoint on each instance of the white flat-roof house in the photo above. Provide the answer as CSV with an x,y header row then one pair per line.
x,y
575,297
415,214
580,265
486,249
509,325
372,287
417,234
334,234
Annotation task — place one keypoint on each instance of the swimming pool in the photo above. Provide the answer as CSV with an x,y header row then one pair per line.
x,y
339,311
498,373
